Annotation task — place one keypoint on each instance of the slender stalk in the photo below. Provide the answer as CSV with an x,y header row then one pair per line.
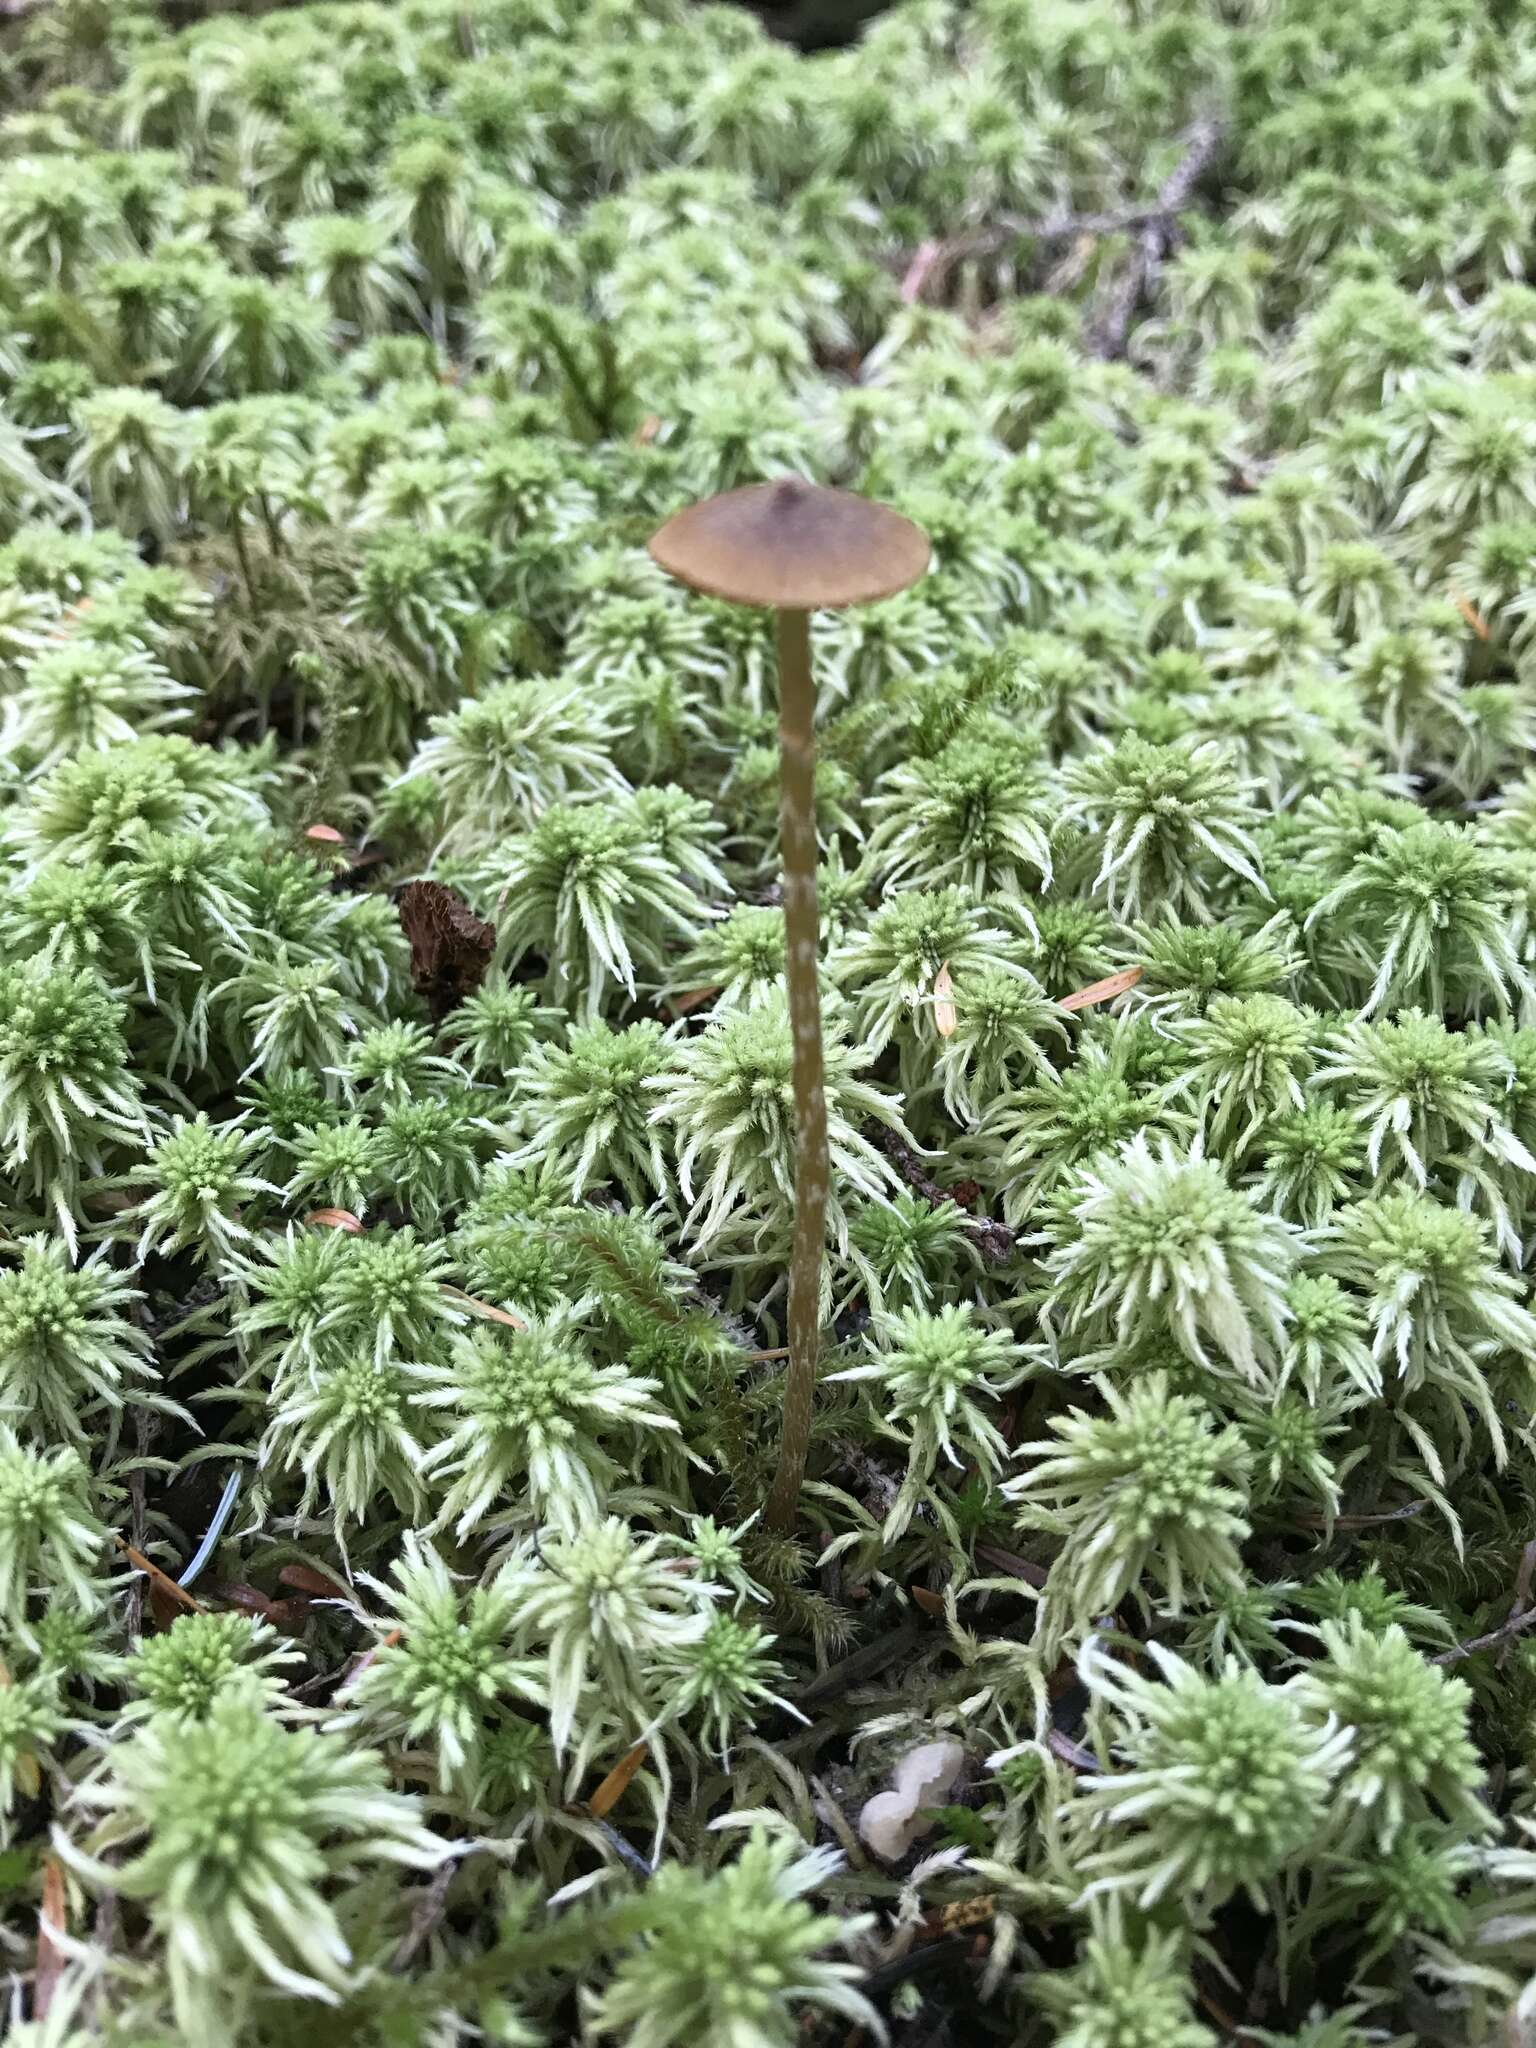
x,y
269,521
802,934
237,534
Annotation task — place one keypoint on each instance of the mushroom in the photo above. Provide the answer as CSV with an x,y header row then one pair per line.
x,y
796,547
893,1820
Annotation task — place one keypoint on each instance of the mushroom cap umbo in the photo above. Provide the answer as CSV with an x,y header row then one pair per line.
x,y
794,545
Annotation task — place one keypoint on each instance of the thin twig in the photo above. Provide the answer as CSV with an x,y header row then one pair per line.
x,y
1516,1625
1070,1752
836,1820
162,1579
1523,1578
1155,237
1156,228
625,1850
879,1488
429,1910
1471,614
1015,1566
927,256
866,1662
486,1309
1522,1600
929,268
1403,1514
994,1240
925,1959
1220,2015
314,1688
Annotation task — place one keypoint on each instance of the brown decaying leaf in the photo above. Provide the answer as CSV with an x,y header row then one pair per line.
x,y
929,1601
1103,991
1015,1566
450,947
334,1219
945,1015
690,1000
306,1580
53,1919
287,1615
616,1784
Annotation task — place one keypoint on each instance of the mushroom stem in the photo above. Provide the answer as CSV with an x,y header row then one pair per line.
x,y
802,938
792,547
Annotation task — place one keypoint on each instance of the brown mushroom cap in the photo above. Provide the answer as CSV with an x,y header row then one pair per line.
x,y
793,545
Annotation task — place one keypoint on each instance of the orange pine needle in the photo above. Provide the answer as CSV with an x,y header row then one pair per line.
x,y
616,1784
167,1585
484,1308
682,1005
1103,991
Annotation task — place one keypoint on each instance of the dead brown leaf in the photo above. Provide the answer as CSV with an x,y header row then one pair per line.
x,y
335,1219
1015,1566
52,1919
1103,991
451,948
690,1000
616,1784
309,1581
287,1615
945,1015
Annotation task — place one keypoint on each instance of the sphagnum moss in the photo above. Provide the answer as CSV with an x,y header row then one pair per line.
x,y
1162,867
